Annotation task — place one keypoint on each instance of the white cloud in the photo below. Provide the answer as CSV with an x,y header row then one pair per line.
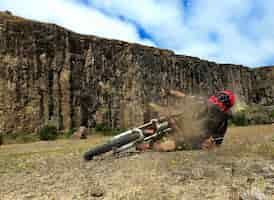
x,y
236,23
75,16
227,31
160,18
145,12
187,30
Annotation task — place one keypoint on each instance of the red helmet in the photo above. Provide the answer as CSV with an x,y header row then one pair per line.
x,y
231,97
224,99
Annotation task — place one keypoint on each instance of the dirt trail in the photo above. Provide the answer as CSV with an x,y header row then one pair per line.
x,y
56,170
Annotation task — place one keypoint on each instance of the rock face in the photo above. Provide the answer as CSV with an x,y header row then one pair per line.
x,y
52,75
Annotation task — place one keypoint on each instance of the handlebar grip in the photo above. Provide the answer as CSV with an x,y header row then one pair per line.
x,y
162,126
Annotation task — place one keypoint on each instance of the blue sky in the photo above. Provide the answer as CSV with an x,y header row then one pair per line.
x,y
226,31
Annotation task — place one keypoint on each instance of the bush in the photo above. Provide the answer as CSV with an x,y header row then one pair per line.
x,y
105,130
26,138
102,128
116,131
48,133
240,119
70,132
19,138
260,119
14,136
1,139
272,115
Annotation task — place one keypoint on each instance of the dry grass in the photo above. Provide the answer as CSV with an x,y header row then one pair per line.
x,y
251,139
56,170
61,145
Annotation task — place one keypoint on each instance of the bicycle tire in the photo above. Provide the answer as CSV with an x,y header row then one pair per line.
x,y
114,143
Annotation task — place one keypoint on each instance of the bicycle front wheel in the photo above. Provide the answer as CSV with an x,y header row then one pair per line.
x,y
112,144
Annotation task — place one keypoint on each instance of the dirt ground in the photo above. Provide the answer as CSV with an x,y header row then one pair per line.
x,y
243,166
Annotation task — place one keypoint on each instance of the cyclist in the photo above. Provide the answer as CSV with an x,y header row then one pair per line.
x,y
214,117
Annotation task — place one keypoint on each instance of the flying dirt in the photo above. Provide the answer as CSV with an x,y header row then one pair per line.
x,y
243,167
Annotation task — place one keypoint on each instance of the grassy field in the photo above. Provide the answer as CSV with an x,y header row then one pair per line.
x,y
55,170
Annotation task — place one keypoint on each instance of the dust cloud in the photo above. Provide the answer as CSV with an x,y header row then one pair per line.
x,y
183,111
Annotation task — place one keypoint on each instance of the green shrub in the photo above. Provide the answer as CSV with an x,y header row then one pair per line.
x,y
19,138
230,123
70,132
272,115
260,119
26,138
115,131
1,139
102,128
105,130
240,119
14,136
48,133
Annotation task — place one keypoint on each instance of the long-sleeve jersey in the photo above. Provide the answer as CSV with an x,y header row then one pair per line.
x,y
214,124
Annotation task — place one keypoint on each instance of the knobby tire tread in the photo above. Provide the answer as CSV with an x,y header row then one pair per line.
x,y
112,144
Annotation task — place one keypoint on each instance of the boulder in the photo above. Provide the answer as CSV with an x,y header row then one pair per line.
x,y
81,133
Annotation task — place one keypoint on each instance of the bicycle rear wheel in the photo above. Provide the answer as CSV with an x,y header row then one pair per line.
x,y
112,144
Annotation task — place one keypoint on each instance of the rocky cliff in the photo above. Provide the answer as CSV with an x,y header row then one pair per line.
x,y
49,74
